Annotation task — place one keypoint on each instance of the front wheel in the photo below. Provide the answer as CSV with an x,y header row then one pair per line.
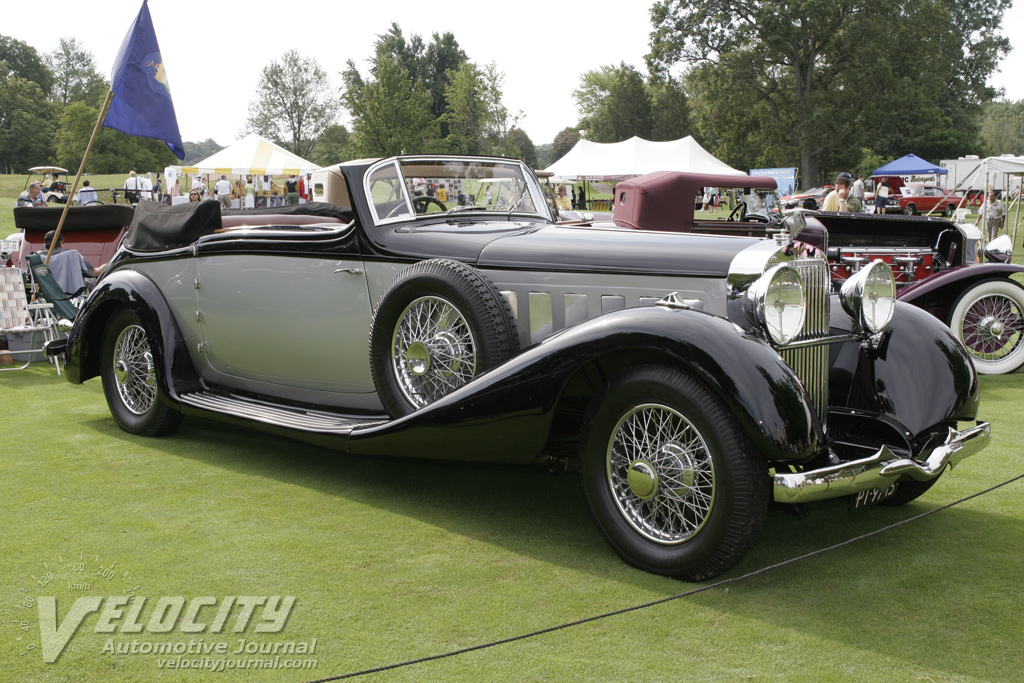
x,y
672,483
989,319
130,379
910,210
948,211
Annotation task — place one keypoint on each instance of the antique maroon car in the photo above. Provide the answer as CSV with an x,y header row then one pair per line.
x,y
980,302
95,231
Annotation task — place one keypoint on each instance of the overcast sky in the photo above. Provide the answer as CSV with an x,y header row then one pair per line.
x,y
213,58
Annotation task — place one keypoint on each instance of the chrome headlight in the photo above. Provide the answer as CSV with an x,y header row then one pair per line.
x,y
777,304
869,296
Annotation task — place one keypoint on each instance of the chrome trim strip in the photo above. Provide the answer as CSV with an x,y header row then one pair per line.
x,y
878,470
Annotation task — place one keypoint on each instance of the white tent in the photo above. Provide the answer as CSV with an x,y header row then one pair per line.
x,y
252,155
636,156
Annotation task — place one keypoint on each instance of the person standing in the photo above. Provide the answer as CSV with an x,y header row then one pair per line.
x,y
175,189
131,188
222,192
881,196
158,189
992,210
858,189
292,185
250,193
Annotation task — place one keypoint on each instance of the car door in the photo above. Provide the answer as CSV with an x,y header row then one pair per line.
x,y
285,311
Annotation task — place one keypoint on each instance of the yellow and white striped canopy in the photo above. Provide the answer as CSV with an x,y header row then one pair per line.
x,y
252,155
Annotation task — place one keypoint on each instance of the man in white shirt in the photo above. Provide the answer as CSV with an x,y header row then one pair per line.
x,y
146,187
858,188
222,192
86,195
131,188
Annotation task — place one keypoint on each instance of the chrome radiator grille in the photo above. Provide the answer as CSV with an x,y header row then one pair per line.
x,y
810,363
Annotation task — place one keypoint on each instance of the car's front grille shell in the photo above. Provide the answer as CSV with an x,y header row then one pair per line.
x,y
810,363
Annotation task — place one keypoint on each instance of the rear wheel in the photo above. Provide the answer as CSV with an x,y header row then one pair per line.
x,y
130,379
989,319
948,211
671,481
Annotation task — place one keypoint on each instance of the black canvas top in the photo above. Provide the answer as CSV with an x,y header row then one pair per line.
x,y
158,227
96,217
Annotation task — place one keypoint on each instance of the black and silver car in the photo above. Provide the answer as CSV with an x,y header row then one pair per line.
x,y
689,378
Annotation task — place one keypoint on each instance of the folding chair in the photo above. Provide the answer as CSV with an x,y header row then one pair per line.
x,y
50,290
18,316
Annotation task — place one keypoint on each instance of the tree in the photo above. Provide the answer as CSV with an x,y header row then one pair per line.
x,y
391,113
466,110
670,110
498,121
524,146
197,151
113,151
295,103
26,123
75,76
828,79
442,57
1002,127
614,104
564,141
334,147
23,61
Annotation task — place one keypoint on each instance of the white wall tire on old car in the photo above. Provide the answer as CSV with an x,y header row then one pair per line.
x,y
439,324
130,379
672,482
989,319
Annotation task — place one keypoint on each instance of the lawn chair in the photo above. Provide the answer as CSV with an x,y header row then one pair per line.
x,y
50,290
19,317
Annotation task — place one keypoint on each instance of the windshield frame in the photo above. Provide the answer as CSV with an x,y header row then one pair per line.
x,y
530,189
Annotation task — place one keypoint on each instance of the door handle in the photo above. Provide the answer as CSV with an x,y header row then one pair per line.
x,y
354,271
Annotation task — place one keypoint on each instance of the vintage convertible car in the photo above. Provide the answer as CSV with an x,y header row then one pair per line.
x,y
980,302
689,378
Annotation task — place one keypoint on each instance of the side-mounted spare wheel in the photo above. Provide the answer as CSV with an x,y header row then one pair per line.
x,y
672,482
130,379
439,324
989,319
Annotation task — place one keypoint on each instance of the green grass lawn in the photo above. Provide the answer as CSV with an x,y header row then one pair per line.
x,y
390,561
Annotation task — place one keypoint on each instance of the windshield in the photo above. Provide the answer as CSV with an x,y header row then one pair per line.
x,y
404,188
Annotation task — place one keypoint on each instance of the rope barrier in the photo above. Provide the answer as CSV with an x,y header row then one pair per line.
x,y
694,591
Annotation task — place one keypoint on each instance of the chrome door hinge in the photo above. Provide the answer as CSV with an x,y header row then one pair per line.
x,y
199,316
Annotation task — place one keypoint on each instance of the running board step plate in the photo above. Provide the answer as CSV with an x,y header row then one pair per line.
x,y
278,415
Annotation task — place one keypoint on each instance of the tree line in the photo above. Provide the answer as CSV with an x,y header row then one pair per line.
x,y
824,86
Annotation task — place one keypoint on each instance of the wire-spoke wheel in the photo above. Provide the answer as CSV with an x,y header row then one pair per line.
x,y
673,484
433,352
438,325
131,379
989,319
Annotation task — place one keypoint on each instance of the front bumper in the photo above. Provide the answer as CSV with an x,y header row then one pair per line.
x,y
879,470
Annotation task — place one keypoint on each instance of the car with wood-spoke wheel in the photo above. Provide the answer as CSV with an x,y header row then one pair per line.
x,y
691,380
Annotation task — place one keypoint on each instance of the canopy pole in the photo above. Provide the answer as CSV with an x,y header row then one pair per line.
x,y
81,169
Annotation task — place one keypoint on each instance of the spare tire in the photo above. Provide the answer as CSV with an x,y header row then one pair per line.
x,y
438,325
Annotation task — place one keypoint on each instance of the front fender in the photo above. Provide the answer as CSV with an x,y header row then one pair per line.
x,y
507,414
920,376
939,293
127,288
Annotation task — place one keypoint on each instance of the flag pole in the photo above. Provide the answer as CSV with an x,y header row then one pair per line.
x,y
81,169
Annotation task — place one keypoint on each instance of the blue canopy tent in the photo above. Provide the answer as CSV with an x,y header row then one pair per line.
x,y
908,165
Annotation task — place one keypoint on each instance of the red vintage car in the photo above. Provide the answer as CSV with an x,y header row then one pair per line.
x,y
95,231
811,199
920,198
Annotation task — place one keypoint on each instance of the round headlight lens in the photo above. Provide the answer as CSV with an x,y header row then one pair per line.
x,y
870,296
778,303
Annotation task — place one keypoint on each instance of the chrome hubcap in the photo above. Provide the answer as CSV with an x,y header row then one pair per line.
x,y
660,474
433,351
134,370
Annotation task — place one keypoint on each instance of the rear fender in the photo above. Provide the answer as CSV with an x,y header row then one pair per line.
x,y
130,289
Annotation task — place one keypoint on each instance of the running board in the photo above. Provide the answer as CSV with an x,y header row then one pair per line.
x,y
280,416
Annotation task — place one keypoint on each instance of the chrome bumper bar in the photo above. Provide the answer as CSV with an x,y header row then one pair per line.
x,y
878,470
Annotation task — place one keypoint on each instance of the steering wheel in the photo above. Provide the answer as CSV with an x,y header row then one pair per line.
x,y
739,213
420,204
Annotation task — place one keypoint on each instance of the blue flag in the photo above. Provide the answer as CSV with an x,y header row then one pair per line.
x,y
142,98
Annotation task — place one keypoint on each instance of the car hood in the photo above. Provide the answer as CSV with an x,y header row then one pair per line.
x,y
617,250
